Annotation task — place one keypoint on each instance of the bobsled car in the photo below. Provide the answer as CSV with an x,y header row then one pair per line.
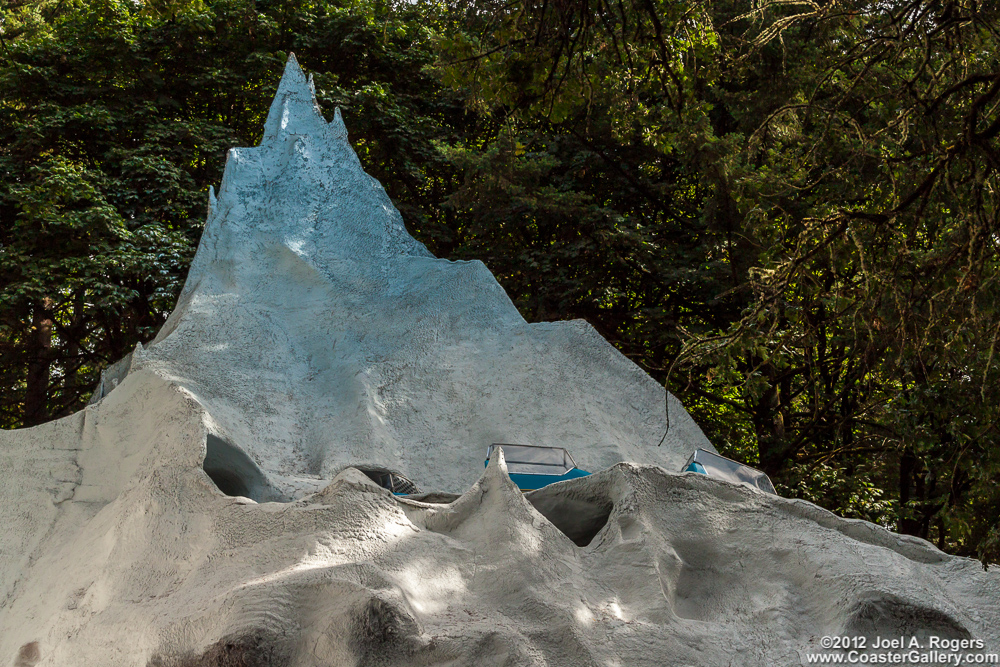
x,y
713,465
532,467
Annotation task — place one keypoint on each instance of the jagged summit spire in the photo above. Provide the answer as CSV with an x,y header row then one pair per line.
x,y
295,109
304,189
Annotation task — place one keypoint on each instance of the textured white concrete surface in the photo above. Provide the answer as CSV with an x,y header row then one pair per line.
x,y
314,333
318,333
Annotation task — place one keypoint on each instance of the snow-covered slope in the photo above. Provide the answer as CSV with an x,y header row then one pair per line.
x,y
318,333
315,334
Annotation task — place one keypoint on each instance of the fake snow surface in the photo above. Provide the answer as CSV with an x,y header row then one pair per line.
x,y
313,335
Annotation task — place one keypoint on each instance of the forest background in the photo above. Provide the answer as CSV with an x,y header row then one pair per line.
x,y
786,211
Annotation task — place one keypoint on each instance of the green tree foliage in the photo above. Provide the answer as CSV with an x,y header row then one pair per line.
x,y
115,116
873,185
839,233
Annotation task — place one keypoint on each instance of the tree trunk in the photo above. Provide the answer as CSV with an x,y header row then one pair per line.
x,y
39,361
907,471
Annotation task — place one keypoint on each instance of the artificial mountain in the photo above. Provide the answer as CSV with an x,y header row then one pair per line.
x,y
206,508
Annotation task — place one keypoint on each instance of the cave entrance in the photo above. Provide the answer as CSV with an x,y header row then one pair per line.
x,y
388,479
234,473
579,513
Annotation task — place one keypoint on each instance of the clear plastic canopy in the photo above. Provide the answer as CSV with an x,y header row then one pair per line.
x,y
534,460
714,465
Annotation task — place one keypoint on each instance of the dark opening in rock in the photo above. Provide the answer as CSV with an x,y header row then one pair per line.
x,y
29,655
389,480
886,615
578,514
251,650
234,472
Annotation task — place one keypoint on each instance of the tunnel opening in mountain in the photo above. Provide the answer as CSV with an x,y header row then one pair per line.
x,y
579,513
387,479
233,472
888,615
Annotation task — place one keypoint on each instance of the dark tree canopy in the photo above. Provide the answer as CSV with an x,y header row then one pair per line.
x,y
115,117
786,211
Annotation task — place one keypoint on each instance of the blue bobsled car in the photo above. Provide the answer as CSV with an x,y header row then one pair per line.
x,y
532,467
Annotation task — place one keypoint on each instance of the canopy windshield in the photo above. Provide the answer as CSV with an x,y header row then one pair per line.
x,y
534,460
728,469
